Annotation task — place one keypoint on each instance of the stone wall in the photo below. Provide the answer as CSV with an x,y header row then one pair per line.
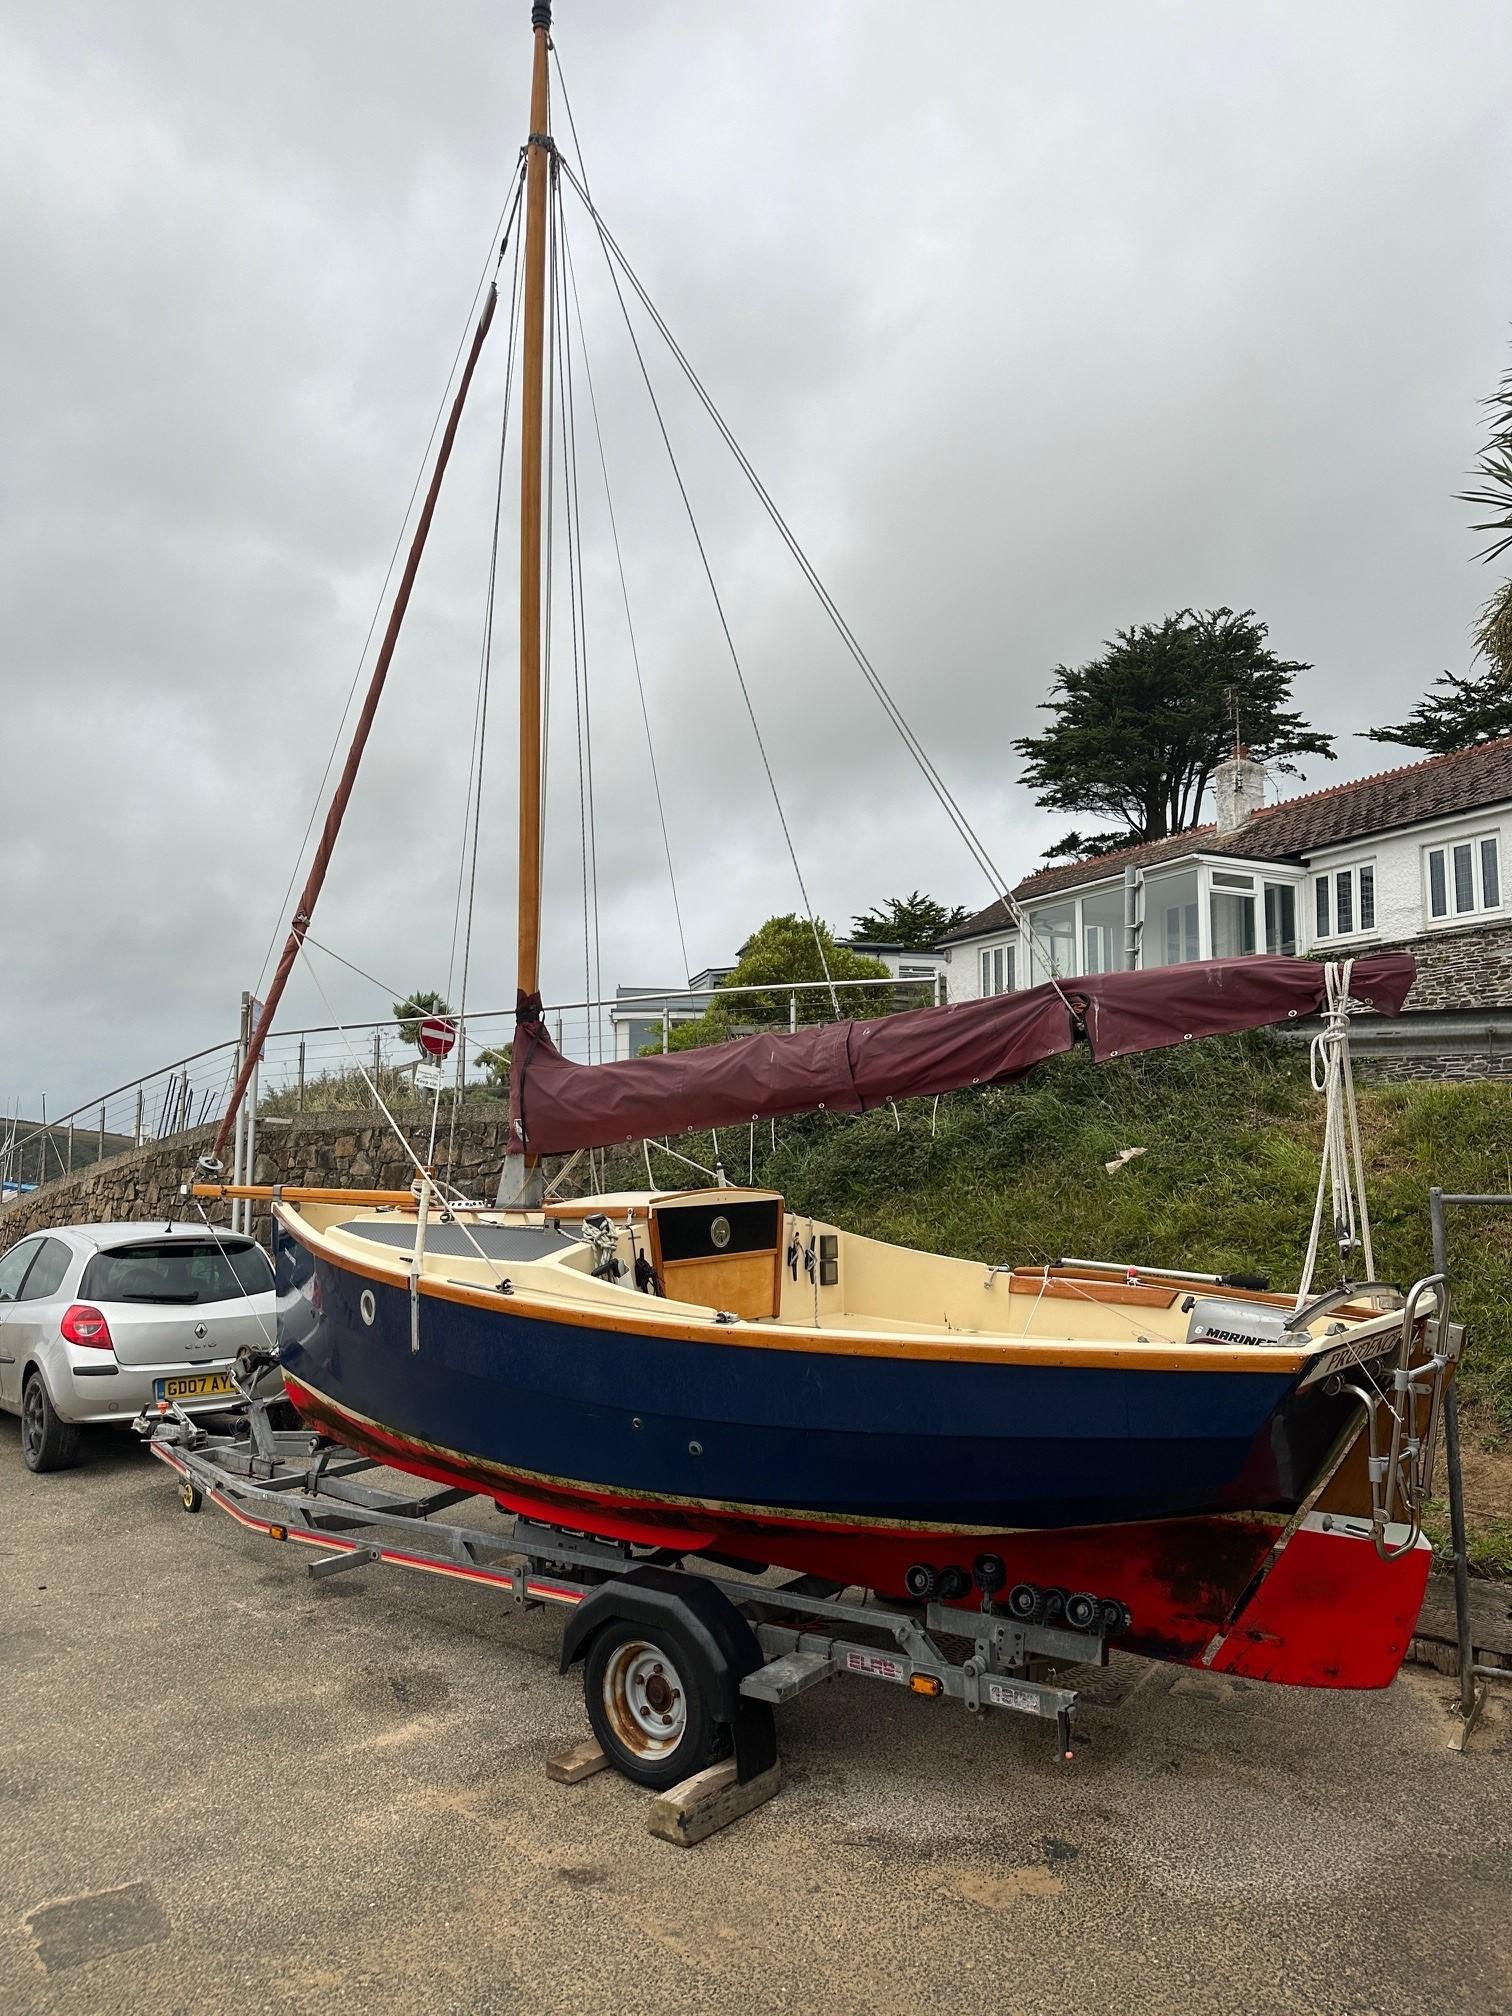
x,y
1469,967
1442,1066
331,1149
1457,1024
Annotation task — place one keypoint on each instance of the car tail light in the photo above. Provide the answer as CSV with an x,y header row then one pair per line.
x,y
84,1324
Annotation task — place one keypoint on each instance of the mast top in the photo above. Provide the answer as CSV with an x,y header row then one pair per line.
x,y
540,14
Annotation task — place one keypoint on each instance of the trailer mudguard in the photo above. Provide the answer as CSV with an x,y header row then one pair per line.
x,y
720,1639
703,1614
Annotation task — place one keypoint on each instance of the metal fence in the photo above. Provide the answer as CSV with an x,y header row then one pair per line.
x,y
337,1067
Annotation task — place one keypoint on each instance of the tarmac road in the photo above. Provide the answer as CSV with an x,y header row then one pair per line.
x,y
224,1787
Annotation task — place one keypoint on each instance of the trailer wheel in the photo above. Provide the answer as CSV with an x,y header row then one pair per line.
x,y
648,1703
190,1496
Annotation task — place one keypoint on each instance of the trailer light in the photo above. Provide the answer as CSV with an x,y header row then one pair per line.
x,y
83,1324
926,1683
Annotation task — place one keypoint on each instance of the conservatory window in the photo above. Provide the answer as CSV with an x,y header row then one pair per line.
x,y
1052,942
1104,948
1173,909
1231,913
1344,901
1464,877
1281,919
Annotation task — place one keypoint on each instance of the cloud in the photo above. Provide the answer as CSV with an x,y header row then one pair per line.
x,y
1037,324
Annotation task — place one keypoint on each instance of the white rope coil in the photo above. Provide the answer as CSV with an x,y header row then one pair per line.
x,y
1341,1171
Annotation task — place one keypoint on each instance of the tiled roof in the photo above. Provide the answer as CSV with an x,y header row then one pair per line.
x,y
1436,788
993,918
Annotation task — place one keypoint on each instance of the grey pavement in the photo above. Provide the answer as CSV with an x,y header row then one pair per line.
x,y
225,1787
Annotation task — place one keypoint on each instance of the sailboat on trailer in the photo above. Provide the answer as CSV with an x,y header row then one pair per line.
x,y
1211,1472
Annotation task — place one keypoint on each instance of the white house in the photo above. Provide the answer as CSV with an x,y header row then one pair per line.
x,y
1413,857
640,1015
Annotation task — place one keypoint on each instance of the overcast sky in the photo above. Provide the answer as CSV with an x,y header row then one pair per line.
x,y
1037,322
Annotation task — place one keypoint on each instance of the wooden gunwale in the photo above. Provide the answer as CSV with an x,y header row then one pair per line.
x,y
659,1321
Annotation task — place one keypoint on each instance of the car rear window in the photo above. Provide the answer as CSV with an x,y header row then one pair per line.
x,y
180,1271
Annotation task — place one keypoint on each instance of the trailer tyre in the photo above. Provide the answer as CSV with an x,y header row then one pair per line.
x,y
190,1496
649,1704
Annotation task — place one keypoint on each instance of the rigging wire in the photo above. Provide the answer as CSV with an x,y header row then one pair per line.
x,y
904,729
560,394
480,700
485,679
549,595
745,693
640,684
580,622
874,680
500,236
425,1177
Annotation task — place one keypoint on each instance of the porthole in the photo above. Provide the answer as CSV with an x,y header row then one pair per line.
x,y
368,1306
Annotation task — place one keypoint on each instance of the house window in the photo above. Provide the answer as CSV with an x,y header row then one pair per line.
x,y
997,970
1172,908
1103,933
1344,902
1281,919
1052,941
1464,877
1231,914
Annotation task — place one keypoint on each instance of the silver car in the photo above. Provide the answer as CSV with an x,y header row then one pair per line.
x,y
99,1321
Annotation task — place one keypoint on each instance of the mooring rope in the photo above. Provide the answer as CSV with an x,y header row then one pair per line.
x,y
1341,1165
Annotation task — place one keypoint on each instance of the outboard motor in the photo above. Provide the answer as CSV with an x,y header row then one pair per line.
x,y
1225,1319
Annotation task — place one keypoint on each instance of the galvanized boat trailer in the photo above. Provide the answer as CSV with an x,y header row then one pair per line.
x,y
683,1667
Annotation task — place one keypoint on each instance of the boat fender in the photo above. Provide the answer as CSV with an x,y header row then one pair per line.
x,y
720,1643
1260,1283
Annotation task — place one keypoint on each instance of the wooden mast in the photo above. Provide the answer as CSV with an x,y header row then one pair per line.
x,y
527,967
520,1180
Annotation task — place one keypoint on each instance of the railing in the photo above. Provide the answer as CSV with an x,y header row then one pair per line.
x,y
1472,1698
335,1066
161,1103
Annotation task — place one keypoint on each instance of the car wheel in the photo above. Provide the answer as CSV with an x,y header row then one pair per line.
x,y
47,1441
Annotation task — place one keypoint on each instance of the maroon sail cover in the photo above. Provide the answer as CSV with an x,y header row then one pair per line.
x,y
557,1106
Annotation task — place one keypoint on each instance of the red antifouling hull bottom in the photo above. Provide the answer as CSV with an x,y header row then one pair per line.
x,y
1319,1608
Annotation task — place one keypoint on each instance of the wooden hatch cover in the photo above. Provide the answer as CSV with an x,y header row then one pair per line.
x,y
722,1248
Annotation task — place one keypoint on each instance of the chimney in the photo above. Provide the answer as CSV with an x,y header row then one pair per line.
x,y
1238,790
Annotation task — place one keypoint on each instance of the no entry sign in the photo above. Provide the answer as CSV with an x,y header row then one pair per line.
x,y
438,1037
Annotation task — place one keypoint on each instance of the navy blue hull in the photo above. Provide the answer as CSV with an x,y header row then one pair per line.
x,y
877,1442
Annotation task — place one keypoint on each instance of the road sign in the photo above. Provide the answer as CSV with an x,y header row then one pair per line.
x,y
438,1037
429,1077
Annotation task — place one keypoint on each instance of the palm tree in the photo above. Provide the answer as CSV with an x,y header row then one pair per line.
x,y
415,1009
